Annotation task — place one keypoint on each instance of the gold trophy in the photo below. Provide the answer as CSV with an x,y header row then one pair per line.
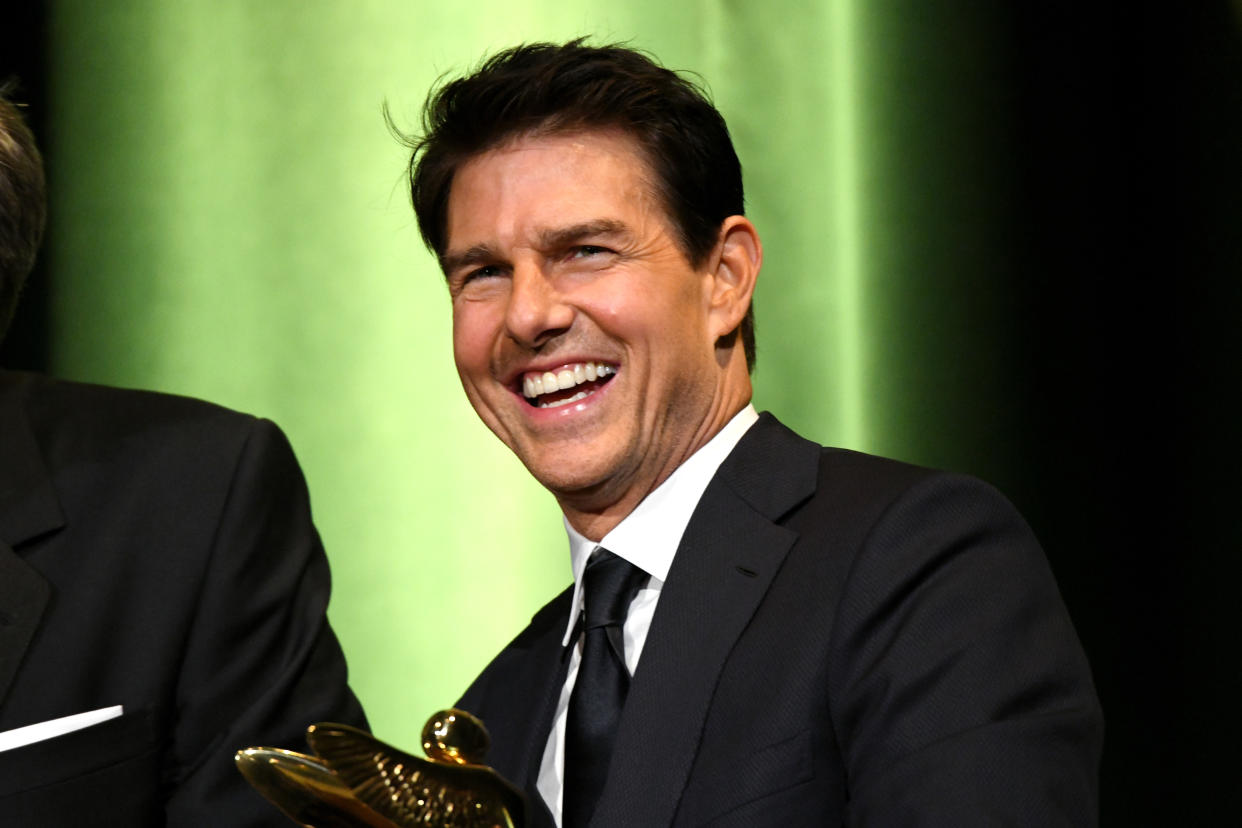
x,y
357,781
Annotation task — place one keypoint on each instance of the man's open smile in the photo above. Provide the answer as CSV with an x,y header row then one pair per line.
x,y
567,384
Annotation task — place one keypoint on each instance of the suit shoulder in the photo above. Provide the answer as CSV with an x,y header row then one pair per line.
x,y
65,399
775,468
66,416
172,448
884,482
873,469
853,492
780,473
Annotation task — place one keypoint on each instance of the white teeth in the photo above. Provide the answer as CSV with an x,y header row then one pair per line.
x,y
581,395
536,385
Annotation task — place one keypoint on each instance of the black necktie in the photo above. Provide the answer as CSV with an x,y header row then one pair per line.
x,y
609,584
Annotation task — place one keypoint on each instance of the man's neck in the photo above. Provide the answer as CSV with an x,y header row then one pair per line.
x,y
594,514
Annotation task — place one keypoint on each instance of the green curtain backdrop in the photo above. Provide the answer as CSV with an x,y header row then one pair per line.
x,y
1001,238
229,222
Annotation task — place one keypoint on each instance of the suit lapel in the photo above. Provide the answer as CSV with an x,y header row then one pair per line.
x,y
728,556
28,508
538,815
548,663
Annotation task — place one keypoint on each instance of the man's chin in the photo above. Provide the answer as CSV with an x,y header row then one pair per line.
x,y
583,482
568,483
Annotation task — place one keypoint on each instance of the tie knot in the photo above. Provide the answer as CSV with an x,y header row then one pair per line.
x,y
608,585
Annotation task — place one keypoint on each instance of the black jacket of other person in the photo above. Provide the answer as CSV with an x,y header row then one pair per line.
x,y
156,553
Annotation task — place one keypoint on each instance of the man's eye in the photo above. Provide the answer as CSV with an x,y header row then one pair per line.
x,y
586,251
472,279
481,273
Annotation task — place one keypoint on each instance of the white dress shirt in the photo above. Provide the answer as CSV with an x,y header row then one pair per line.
x,y
647,537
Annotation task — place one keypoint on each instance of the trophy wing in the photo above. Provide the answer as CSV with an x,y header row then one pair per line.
x,y
305,789
411,791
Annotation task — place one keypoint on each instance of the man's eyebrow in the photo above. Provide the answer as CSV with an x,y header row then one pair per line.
x,y
478,254
561,237
551,239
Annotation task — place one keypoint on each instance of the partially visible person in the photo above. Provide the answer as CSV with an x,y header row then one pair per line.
x,y
162,588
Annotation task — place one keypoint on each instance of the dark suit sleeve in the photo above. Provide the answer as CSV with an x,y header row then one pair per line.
x,y
260,662
960,693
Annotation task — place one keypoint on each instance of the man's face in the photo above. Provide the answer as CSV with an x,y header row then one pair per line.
x,y
581,332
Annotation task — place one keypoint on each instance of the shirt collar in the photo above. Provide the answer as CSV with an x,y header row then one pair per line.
x,y
648,537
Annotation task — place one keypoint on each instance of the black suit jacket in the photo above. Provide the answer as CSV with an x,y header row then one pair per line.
x,y
842,640
156,553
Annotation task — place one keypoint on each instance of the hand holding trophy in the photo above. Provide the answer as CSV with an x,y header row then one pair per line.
x,y
357,781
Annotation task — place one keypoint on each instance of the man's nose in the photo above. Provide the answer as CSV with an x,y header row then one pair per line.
x,y
536,312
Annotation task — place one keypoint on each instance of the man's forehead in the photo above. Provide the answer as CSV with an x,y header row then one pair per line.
x,y
558,184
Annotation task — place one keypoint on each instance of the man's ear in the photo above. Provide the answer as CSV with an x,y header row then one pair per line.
x,y
737,261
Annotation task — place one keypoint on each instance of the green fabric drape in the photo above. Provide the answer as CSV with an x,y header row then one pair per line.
x,y
229,222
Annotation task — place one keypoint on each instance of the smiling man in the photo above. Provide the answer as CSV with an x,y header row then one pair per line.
x,y
584,336
761,631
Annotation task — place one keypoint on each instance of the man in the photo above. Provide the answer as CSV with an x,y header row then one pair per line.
x,y
162,588
793,635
